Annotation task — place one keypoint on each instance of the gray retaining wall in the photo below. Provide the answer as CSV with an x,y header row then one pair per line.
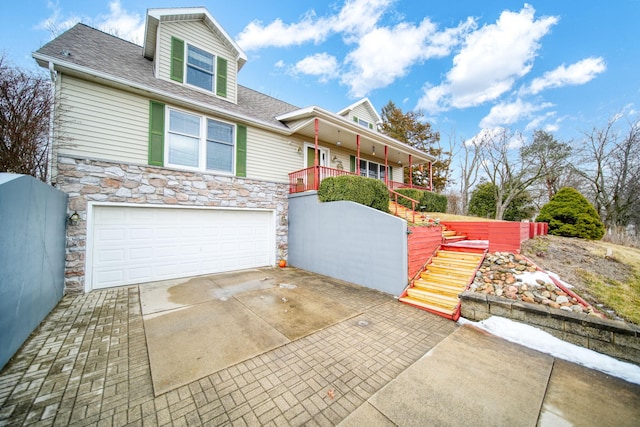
x,y
348,241
33,217
618,339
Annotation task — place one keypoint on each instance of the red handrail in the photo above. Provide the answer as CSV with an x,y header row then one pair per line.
x,y
413,203
311,177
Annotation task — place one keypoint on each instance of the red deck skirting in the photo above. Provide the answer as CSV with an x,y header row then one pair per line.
x,y
422,242
503,236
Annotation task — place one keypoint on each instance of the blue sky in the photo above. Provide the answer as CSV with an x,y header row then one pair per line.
x,y
469,65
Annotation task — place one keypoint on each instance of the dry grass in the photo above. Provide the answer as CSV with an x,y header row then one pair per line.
x,y
602,273
451,217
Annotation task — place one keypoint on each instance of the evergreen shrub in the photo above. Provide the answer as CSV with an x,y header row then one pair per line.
x,y
570,214
366,191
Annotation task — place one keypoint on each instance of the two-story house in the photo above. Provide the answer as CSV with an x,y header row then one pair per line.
x,y
172,168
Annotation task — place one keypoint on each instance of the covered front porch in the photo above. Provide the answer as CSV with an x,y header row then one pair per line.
x,y
338,146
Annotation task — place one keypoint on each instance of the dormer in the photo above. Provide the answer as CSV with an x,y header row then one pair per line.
x,y
189,47
363,113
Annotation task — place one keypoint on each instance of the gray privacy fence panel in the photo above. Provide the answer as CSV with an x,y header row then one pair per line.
x,y
32,256
348,241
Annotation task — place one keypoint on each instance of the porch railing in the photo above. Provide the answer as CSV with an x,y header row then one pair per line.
x,y
310,178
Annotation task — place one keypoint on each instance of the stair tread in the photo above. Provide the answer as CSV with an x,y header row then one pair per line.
x,y
421,283
455,281
441,299
452,291
451,269
460,255
454,262
413,301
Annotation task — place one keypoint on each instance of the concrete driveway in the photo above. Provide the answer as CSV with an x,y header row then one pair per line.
x,y
361,359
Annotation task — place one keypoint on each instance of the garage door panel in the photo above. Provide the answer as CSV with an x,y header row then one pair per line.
x,y
141,244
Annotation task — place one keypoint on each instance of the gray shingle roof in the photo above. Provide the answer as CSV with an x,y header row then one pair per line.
x,y
106,54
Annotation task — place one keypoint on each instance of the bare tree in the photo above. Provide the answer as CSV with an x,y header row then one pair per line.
x,y
610,166
511,170
552,157
469,167
26,104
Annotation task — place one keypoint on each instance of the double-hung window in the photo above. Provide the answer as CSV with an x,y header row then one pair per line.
x,y
199,68
199,142
372,170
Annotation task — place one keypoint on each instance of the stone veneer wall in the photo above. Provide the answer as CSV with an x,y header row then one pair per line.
x,y
86,180
613,338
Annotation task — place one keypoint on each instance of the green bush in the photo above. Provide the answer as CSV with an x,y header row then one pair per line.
x,y
570,214
427,201
366,191
434,202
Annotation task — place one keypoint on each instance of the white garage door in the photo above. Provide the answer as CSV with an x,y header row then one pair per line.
x,y
143,244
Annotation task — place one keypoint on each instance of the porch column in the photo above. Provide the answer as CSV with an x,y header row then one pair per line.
x,y
386,166
430,176
410,171
357,171
316,169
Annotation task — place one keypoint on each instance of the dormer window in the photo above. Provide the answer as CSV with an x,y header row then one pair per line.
x,y
362,122
199,68
196,67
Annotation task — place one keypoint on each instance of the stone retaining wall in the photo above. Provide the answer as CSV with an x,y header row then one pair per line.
x,y
618,339
86,180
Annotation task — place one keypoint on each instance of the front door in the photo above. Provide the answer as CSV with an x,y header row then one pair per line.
x,y
323,153
323,160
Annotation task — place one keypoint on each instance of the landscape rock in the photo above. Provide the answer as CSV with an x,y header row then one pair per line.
x,y
502,274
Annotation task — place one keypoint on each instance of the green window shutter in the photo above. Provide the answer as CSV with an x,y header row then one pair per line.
x,y
352,163
177,59
221,77
355,119
370,125
390,176
241,150
156,133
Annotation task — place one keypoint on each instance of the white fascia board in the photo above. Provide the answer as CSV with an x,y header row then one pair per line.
x,y
168,97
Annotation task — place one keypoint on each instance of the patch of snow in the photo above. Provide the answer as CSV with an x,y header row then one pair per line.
x,y
555,276
537,339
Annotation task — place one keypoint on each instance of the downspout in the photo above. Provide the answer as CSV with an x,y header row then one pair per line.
x,y
357,171
316,172
53,75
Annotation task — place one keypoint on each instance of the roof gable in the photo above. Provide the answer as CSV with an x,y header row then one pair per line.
x,y
363,104
155,16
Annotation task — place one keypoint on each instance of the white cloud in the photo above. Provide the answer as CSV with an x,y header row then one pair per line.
x,y
382,54
119,22
575,74
278,34
506,113
320,64
386,53
491,60
356,17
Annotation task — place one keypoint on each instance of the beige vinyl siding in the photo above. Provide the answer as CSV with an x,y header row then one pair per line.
x,y
362,112
200,35
104,123
271,156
